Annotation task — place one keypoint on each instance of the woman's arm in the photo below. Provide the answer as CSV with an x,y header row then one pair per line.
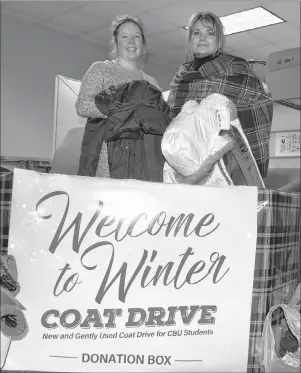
x,y
91,85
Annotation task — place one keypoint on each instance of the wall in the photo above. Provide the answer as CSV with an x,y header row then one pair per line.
x,y
31,57
162,73
283,79
284,119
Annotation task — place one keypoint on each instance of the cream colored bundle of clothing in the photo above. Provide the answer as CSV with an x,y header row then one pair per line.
x,y
195,134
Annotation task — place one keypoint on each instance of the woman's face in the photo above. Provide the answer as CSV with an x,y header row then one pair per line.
x,y
203,40
129,41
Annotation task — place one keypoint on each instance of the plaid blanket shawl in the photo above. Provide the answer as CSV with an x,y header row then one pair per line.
x,y
232,77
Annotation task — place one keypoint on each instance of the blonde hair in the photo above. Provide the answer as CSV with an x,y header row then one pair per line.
x,y
120,20
206,18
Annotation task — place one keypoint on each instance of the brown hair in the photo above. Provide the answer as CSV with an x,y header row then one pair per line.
x,y
207,18
120,20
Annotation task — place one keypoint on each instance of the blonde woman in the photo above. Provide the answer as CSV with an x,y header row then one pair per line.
x,y
208,69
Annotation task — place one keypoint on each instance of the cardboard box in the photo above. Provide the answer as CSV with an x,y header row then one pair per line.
x,y
284,59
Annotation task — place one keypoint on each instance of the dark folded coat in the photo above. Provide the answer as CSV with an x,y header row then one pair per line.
x,y
137,117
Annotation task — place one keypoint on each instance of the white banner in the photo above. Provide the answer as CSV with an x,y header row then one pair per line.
x,y
132,276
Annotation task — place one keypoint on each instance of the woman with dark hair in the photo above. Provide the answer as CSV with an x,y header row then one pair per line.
x,y
125,109
207,70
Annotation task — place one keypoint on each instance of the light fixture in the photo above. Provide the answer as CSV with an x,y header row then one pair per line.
x,y
248,20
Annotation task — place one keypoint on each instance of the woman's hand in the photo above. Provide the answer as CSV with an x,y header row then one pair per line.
x,y
205,168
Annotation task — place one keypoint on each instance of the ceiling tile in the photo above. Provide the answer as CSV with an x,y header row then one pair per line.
x,y
103,33
295,22
108,10
287,44
279,32
154,25
17,15
148,5
163,20
54,26
75,3
240,53
240,40
91,39
222,7
176,55
155,45
177,14
261,2
262,52
157,60
175,37
78,21
285,9
40,9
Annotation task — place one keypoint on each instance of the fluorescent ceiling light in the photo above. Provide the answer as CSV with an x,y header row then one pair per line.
x,y
248,20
